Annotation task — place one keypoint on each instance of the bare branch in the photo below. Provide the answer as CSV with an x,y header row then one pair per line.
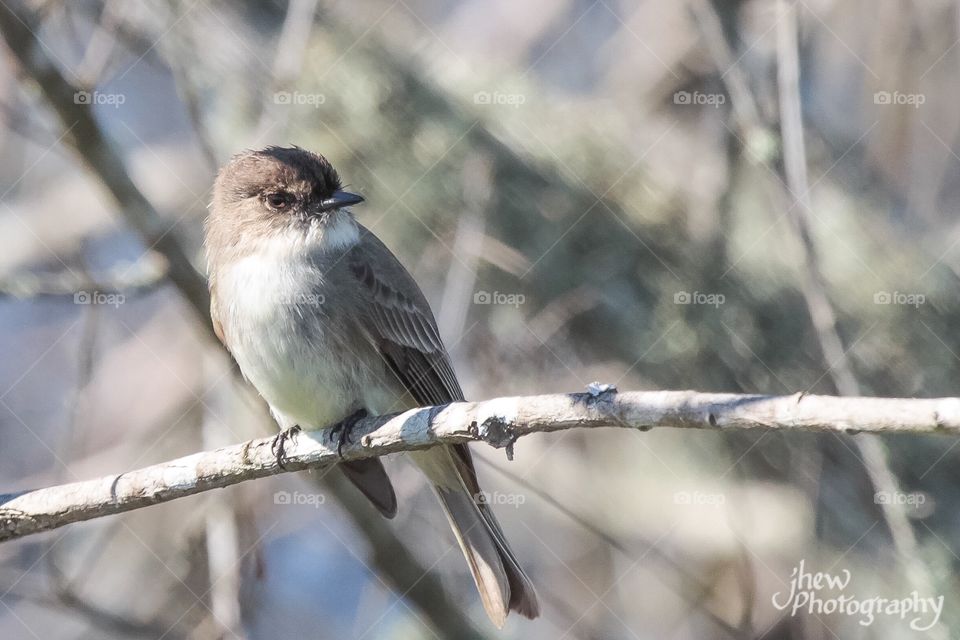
x,y
497,422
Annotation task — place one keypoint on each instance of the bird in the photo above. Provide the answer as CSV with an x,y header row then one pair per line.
x,y
328,326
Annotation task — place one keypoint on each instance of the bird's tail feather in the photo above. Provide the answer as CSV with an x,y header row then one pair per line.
x,y
502,584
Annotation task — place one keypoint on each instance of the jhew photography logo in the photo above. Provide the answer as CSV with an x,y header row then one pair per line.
x,y
299,99
497,297
310,499
821,593
898,297
99,297
698,297
497,498
97,97
505,99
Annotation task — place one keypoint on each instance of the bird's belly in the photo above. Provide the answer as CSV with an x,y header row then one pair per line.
x,y
290,343
300,387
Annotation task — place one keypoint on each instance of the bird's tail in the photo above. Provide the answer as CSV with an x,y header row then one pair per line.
x,y
503,585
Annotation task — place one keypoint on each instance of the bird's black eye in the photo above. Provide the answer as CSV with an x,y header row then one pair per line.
x,y
278,200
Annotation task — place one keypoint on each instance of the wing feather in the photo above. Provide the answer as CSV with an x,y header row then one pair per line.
x,y
403,328
401,324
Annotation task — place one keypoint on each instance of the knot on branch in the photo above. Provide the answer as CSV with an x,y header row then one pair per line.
x,y
498,431
12,521
596,393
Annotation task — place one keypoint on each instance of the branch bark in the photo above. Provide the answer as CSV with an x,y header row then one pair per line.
x,y
497,422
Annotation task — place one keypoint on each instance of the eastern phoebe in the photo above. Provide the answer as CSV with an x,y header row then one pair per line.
x,y
327,324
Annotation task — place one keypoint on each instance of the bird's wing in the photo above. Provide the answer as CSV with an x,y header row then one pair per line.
x,y
403,328
401,324
215,313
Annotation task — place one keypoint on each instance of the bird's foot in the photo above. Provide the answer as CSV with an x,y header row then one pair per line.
x,y
280,442
341,430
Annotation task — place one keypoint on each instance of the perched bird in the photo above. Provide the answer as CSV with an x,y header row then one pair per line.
x,y
328,326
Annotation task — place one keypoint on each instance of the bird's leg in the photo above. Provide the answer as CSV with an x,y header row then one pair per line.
x,y
341,430
280,442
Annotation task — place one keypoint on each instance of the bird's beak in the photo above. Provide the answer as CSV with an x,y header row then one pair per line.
x,y
338,200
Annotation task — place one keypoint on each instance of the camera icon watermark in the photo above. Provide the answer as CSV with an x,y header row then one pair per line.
x,y
699,297
99,98
301,299
99,297
296,98
315,500
699,498
897,98
498,98
898,297
699,98
902,498
499,298
497,498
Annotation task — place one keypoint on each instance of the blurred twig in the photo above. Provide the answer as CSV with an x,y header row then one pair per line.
x,y
88,141
123,280
16,121
813,284
611,540
221,536
398,567
822,314
291,46
188,92
102,617
101,44
65,588
468,244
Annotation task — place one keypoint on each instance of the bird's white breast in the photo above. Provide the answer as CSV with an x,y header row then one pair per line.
x,y
282,336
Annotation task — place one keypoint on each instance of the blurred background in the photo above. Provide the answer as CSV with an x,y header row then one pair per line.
x,y
747,196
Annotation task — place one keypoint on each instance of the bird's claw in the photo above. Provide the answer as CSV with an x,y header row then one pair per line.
x,y
278,447
341,430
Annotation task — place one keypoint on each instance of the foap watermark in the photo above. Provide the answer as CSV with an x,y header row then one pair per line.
x,y
902,498
699,98
699,297
99,297
314,500
498,498
498,297
699,498
898,297
897,98
822,593
301,299
98,97
499,98
296,98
